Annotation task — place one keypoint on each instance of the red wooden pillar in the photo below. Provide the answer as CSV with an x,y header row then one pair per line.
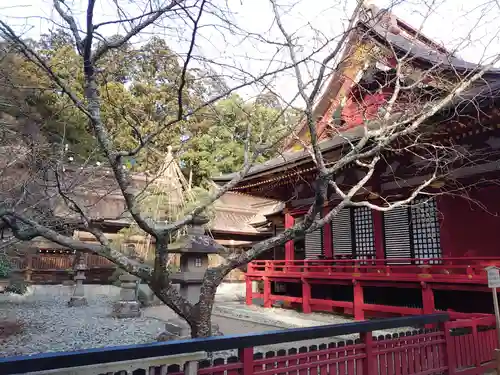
x,y
370,361
306,296
327,237
378,234
450,350
289,246
358,302
267,291
428,306
248,291
246,357
427,299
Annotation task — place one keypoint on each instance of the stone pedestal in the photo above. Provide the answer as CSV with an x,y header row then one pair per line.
x,y
78,297
127,306
178,329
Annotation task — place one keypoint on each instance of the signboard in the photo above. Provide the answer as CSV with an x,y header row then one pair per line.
x,y
494,283
493,277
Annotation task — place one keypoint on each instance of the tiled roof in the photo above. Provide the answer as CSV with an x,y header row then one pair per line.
x,y
227,221
236,212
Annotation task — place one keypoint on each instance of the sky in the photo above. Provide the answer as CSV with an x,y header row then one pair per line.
x,y
465,25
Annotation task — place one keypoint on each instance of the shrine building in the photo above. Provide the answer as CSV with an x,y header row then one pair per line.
x,y
417,258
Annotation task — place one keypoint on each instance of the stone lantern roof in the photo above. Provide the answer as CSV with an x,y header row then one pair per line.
x,y
195,241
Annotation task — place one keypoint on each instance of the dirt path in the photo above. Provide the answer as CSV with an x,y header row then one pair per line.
x,y
234,318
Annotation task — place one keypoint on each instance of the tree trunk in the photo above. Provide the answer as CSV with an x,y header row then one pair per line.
x,y
201,327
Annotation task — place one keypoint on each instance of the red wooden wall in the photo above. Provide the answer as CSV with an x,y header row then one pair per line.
x,y
470,227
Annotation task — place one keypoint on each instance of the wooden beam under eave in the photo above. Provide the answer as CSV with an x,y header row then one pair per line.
x,y
89,237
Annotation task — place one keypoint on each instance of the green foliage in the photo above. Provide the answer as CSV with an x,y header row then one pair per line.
x,y
139,93
5,266
17,287
218,146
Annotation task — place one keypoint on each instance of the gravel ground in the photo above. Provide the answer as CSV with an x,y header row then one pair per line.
x,y
50,325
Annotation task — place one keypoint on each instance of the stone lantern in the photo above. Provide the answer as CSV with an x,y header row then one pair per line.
x,y
78,297
194,249
127,306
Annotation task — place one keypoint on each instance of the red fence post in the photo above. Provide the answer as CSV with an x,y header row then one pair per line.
x,y
449,360
246,358
476,344
428,304
289,245
370,360
248,291
267,292
358,302
427,299
306,297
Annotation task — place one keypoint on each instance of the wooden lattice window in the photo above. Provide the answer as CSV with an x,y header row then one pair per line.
x,y
425,229
352,233
413,232
364,241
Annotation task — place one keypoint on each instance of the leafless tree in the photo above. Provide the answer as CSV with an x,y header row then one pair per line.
x,y
399,128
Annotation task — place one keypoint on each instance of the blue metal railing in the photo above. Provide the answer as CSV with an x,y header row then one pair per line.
x,y
62,360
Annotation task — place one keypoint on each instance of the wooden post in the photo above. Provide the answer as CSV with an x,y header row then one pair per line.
x,y
246,357
378,234
289,246
191,368
370,361
29,268
306,297
497,318
493,273
450,359
427,299
358,301
267,291
428,305
248,291
497,312
327,237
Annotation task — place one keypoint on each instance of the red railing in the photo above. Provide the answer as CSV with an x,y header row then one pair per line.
x,y
438,268
414,352
460,347
446,350
470,345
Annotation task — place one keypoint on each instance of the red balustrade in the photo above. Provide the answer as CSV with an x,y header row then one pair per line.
x,y
450,347
459,347
424,273
408,269
470,345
